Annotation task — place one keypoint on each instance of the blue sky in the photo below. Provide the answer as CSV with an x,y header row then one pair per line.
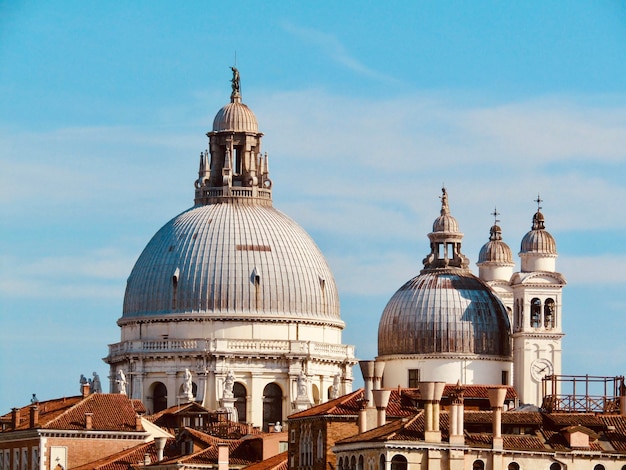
x,y
367,109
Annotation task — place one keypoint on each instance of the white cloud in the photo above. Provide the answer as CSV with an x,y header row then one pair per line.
x,y
333,48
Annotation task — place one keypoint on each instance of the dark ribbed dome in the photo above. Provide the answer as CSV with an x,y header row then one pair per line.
x,y
538,240
441,313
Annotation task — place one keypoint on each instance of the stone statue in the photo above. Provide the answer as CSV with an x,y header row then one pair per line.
x,y
334,390
83,381
229,383
94,384
236,81
278,427
120,380
187,385
302,385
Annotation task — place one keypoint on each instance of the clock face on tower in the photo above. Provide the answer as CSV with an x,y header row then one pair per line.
x,y
540,368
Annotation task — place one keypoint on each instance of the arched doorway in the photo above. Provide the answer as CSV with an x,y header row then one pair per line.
x,y
398,462
159,397
239,393
272,405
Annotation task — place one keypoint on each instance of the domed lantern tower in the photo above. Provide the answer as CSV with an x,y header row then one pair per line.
x,y
537,312
445,324
495,265
231,303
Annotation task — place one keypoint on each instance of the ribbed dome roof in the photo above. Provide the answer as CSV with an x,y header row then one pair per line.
x,y
236,117
444,312
495,250
538,240
233,261
445,223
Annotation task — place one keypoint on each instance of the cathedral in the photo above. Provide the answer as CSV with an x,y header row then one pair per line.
x,y
232,305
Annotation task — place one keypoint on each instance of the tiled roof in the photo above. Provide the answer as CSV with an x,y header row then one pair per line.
x,y
402,401
48,410
345,405
616,431
278,462
125,459
573,419
110,412
508,417
240,452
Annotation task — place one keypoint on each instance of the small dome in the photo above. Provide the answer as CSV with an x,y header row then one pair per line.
x,y
236,117
495,250
444,313
538,240
445,223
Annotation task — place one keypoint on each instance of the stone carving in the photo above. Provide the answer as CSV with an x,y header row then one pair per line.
x,y
236,81
229,383
94,384
120,381
188,385
334,390
302,380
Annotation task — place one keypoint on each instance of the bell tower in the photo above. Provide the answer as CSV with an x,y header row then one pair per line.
x,y
537,312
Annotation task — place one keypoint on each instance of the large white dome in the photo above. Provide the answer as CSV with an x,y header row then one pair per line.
x,y
233,261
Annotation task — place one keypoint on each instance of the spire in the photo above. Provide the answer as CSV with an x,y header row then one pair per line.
x,y
495,233
538,218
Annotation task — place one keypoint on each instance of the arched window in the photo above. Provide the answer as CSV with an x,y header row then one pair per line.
x,y
306,446
320,445
513,466
598,467
478,465
340,463
549,314
398,462
555,466
381,462
535,313
316,394
353,463
159,397
272,405
239,393
359,465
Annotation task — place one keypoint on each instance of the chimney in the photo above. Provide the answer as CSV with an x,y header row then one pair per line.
x,y
88,420
146,459
138,423
367,369
496,400
456,415
15,417
362,416
159,442
34,416
222,456
379,367
381,400
84,389
431,394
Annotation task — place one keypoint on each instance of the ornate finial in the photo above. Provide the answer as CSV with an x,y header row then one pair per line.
x,y
236,84
445,209
538,219
495,214
495,233
538,201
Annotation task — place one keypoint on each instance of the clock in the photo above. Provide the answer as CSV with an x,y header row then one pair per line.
x,y
540,368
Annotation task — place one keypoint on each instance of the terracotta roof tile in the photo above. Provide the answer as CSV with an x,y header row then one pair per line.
x,y
616,431
345,405
111,412
278,462
48,411
124,459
